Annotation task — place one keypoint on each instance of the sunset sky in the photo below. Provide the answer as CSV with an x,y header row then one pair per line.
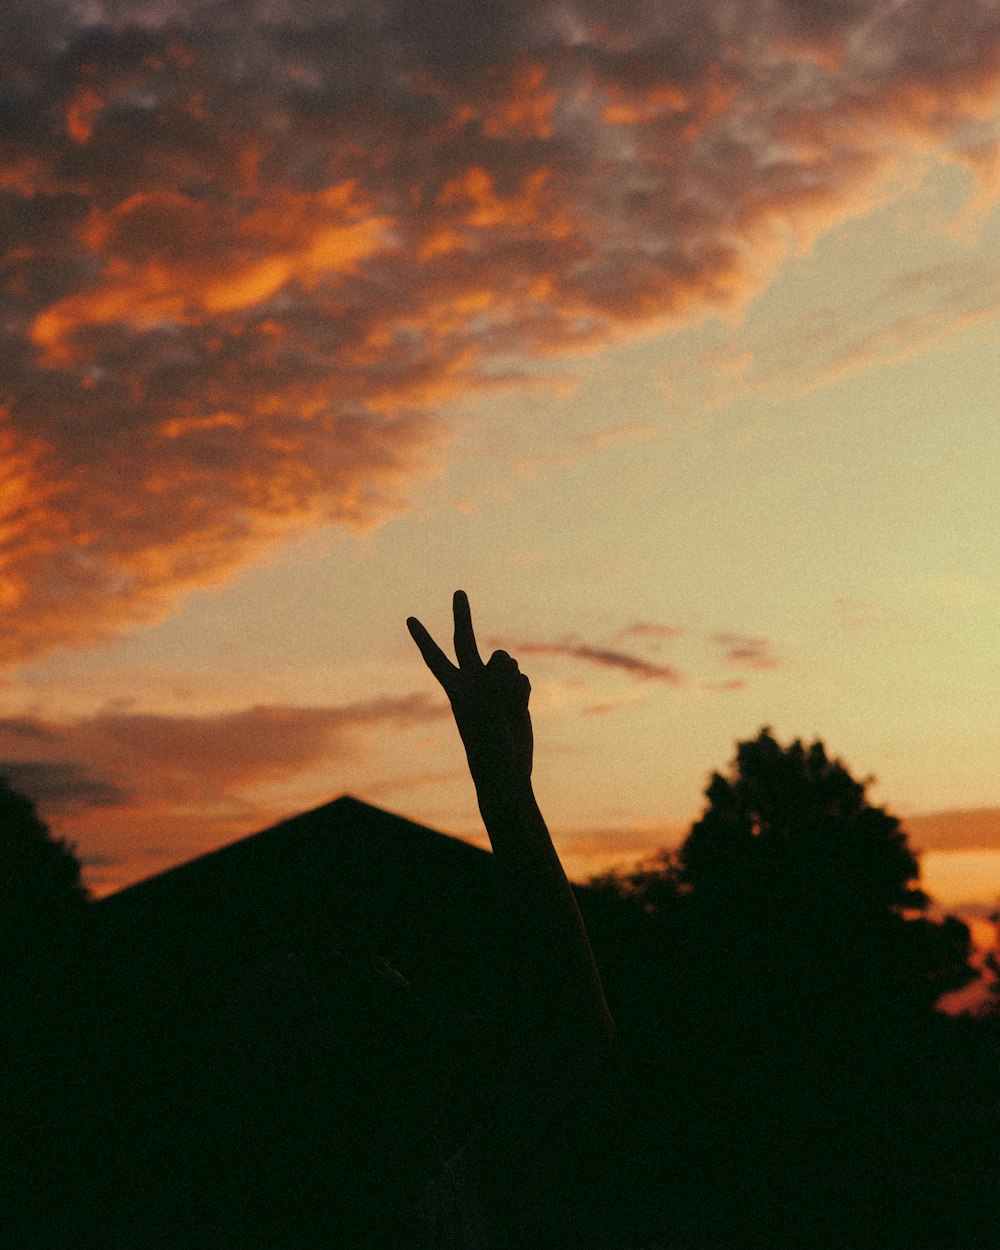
x,y
668,330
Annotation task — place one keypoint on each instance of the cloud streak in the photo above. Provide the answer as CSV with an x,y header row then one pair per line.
x,y
742,650
61,787
251,251
136,791
926,309
604,657
969,829
749,652
116,759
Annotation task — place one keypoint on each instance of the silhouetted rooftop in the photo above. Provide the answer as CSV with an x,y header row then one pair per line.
x,y
346,874
345,830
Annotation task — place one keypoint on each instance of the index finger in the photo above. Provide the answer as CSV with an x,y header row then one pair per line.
x,y
466,651
434,657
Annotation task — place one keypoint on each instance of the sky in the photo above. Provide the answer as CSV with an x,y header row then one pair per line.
x,y
668,331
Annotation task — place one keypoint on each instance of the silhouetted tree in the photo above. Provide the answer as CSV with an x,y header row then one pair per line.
x,y
44,912
793,878
41,894
790,826
815,885
783,977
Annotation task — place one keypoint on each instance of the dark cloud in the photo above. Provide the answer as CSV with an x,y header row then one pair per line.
x,y
24,727
165,761
249,250
61,788
101,859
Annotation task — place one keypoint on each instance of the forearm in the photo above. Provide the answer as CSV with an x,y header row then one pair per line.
x,y
564,1029
562,999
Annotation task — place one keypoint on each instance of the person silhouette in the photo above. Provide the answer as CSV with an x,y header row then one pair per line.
x,y
489,1192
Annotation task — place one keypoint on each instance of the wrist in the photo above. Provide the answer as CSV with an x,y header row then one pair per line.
x,y
504,790
514,822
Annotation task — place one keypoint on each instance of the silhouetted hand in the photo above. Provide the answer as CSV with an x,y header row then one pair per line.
x,y
562,1028
490,701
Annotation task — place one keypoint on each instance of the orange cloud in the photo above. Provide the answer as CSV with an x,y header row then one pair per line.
x,y
485,208
145,754
976,829
528,111
158,270
119,782
249,252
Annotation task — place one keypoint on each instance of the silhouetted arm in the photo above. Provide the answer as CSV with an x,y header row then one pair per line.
x,y
564,1028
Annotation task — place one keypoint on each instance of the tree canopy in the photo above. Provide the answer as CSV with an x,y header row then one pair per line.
x,y
41,893
791,828
793,883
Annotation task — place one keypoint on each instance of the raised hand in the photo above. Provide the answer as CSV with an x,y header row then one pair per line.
x,y
490,701
563,1029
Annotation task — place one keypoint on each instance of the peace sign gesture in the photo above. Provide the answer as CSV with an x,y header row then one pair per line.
x,y
490,701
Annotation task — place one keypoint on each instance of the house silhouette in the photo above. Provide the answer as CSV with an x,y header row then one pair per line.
x,y
340,884
345,881
346,873
345,900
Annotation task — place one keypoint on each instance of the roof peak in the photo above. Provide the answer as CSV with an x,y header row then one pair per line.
x,y
344,810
